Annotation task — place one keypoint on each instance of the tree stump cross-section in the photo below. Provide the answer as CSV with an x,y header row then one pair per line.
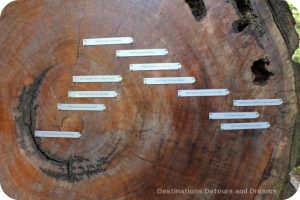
x,y
148,141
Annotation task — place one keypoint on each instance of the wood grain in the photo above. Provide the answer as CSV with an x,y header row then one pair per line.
x,y
148,138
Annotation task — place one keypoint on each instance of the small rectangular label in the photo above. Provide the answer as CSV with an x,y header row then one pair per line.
x,y
83,107
258,102
155,66
92,94
234,115
98,79
107,41
203,92
169,80
57,134
141,52
242,126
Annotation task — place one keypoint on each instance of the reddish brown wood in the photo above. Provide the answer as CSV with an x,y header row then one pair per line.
x,y
148,138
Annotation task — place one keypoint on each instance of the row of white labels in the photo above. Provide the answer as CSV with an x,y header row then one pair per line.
x,y
112,79
224,126
237,115
148,81
213,115
245,115
155,81
118,78
125,53
183,93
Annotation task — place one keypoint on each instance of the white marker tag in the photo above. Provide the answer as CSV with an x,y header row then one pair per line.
x,y
57,134
169,80
107,41
242,126
258,102
92,94
203,93
98,79
141,52
155,66
84,107
234,115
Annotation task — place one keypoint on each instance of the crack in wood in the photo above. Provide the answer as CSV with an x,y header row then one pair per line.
x,y
198,8
31,144
248,18
283,19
